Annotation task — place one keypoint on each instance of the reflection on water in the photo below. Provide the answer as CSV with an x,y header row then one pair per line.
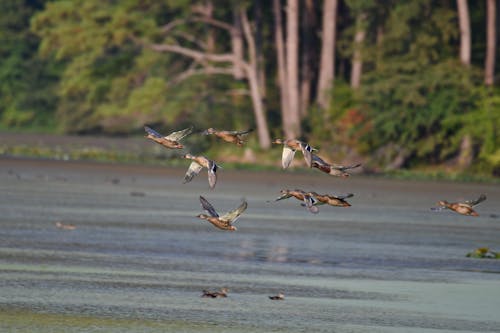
x,y
140,263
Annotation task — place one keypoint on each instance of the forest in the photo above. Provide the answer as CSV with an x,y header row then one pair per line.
x,y
404,84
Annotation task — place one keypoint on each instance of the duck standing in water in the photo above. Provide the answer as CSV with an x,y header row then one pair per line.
x,y
332,169
290,146
215,294
464,208
330,199
224,222
169,141
308,201
235,137
198,163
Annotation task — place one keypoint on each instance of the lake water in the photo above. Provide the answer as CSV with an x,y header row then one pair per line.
x,y
139,259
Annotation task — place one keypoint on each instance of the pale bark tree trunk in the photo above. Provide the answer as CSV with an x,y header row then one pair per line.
x,y
327,59
491,37
292,66
237,44
357,57
465,33
307,54
282,77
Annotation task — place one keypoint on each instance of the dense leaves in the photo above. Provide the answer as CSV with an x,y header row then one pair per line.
x,y
83,66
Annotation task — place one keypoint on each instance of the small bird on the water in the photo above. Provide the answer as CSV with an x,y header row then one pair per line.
x,y
64,226
290,146
330,199
198,163
169,141
236,137
279,297
464,208
308,201
224,222
215,294
332,169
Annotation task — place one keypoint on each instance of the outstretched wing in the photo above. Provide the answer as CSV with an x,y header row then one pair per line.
x,y
233,215
176,136
193,170
343,168
239,132
212,173
307,152
208,207
152,132
318,162
310,204
287,156
472,203
344,196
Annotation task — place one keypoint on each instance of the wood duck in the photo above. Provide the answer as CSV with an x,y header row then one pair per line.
x,y
308,201
464,208
215,294
332,169
236,137
224,222
198,163
289,148
169,141
330,199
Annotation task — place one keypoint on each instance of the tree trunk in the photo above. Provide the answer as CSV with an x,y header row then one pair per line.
x,y
292,66
280,55
258,105
465,33
491,37
357,58
237,44
307,56
327,60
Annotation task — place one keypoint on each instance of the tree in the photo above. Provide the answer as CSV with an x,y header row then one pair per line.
x,y
292,67
357,61
327,60
465,34
491,37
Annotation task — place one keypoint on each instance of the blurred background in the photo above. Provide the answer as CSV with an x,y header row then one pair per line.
x,y
396,85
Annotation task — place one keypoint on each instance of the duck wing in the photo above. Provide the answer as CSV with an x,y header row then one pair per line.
x,y
212,173
208,207
152,132
193,170
310,204
320,164
236,133
176,136
472,203
343,168
287,156
234,214
307,152
344,196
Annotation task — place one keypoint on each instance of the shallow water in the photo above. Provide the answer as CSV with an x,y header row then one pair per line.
x,y
138,259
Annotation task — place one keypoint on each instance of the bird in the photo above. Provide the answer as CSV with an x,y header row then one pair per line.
x,y
289,148
279,297
229,136
169,141
214,294
64,226
198,163
330,199
464,208
332,169
224,222
308,201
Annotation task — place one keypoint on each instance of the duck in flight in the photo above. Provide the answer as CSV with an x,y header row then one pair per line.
x,y
169,141
290,146
197,164
332,169
225,221
464,208
236,137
